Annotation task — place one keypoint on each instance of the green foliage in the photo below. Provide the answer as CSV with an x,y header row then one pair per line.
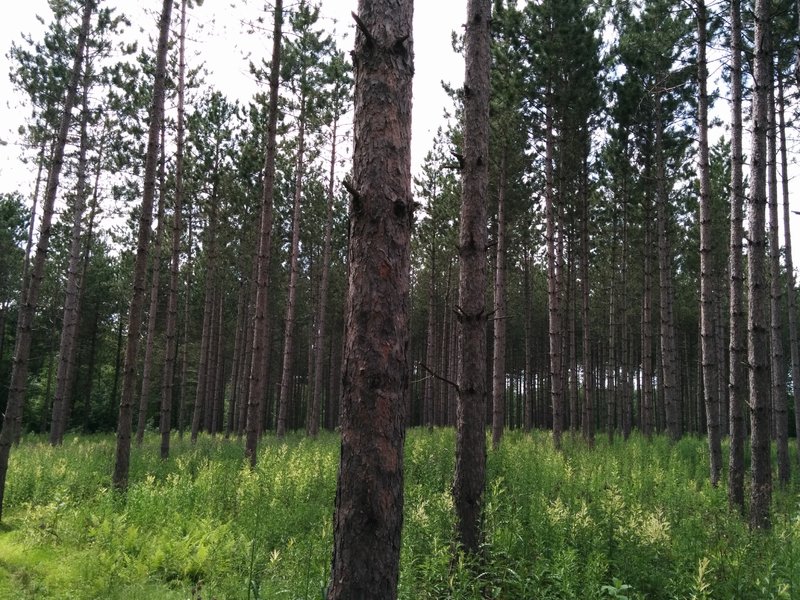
x,y
631,521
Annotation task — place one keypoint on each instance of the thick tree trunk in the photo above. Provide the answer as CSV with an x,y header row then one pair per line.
x,y
170,350
258,368
470,474
12,421
123,449
707,276
369,494
758,349
291,300
738,340
499,357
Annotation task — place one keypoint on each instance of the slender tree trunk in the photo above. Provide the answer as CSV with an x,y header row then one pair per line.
x,y
69,328
778,371
758,349
429,395
170,350
553,308
470,474
123,450
499,362
791,292
152,313
258,370
668,354
588,388
322,304
184,381
648,424
376,371
707,276
291,300
22,343
238,357
528,412
738,340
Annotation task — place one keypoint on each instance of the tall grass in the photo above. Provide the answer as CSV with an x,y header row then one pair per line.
x,y
632,520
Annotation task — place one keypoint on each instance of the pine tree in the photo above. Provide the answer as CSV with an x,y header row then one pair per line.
x,y
123,448
375,376
19,374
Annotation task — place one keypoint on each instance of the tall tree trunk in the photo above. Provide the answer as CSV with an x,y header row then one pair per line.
x,y
778,371
22,343
758,349
648,421
738,340
707,276
528,412
429,395
291,300
470,474
669,359
553,308
376,372
258,369
184,381
499,357
588,388
791,292
69,327
152,313
238,358
322,304
123,450
170,350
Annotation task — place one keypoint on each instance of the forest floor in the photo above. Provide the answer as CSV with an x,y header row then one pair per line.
x,y
635,519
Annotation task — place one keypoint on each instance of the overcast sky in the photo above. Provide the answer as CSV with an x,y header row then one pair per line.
x,y
225,47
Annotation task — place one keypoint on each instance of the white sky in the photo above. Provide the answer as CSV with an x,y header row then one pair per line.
x,y
224,46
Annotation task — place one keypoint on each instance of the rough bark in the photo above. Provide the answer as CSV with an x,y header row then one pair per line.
x,y
181,400
12,421
707,276
648,421
123,448
757,325
375,375
258,368
738,341
470,473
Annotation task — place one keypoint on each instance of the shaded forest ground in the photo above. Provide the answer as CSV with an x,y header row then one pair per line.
x,y
635,520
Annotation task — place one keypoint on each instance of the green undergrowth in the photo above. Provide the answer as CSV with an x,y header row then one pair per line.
x,y
631,520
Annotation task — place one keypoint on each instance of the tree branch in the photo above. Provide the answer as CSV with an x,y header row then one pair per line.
x,y
439,377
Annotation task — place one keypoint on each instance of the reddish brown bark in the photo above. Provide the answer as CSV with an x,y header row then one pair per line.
x,y
375,376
